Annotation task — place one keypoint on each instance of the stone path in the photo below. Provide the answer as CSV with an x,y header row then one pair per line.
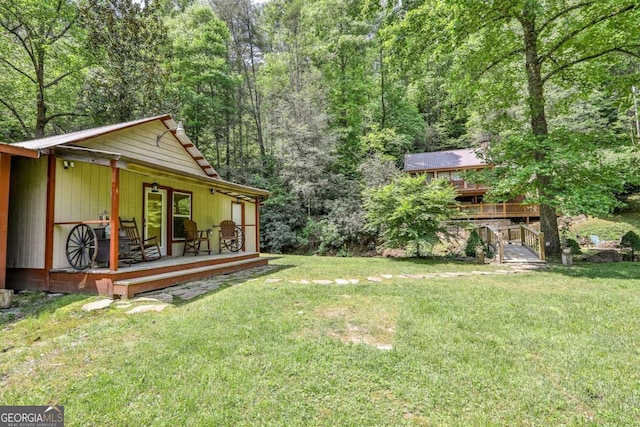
x,y
156,301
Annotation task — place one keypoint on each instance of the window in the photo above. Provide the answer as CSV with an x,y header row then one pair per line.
x,y
181,211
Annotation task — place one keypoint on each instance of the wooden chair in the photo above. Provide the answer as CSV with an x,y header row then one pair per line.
x,y
230,236
141,249
194,238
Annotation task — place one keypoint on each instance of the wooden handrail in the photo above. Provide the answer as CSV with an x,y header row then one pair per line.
x,y
493,238
533,239
497,209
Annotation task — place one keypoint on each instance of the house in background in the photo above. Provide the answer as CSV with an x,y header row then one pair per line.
x,y
145,169
449,165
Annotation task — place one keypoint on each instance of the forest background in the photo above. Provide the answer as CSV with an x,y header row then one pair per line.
x,y
319,100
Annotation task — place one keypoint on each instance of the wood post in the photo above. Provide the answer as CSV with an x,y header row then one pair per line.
x,y
257,219
50,219
115,215
5,181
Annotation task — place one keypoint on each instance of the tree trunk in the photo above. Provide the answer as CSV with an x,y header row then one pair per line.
x,y
548,214
41,106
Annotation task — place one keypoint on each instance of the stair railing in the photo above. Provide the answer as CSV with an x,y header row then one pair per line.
x,y
533,239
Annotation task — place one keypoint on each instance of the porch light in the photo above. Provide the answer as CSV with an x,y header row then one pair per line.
x,y
178,129
213,191
154,187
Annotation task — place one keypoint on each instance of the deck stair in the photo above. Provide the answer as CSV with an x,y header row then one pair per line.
x,y
127,288
521,245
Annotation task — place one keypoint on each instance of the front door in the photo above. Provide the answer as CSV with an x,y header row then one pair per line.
x,y
155,213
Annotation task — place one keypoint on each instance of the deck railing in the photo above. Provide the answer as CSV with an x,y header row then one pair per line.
x,y
492,238
533,239
502,210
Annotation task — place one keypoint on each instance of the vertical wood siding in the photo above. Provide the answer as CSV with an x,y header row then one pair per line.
x,y
27,213
81,194
140,143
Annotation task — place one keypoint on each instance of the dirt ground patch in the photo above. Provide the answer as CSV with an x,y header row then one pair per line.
x,y
360,320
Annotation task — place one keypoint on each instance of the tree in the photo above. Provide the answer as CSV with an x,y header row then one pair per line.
x,y
245,58
343,54
129,43
201,78
507,53
40,63
410,210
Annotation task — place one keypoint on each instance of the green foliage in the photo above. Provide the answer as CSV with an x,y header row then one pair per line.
x,y
387,143
583,175
129,43
473,242
202,81
574,246
281,218
41,66
631,240
410,210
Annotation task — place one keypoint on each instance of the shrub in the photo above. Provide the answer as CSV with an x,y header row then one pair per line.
x,y
630,240
574,246
473,242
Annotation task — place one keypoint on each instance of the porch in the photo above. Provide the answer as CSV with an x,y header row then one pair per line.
x,y
133,279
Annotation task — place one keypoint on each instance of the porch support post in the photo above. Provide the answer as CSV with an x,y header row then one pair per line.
x,y
257,207
115,215
50,219
5,180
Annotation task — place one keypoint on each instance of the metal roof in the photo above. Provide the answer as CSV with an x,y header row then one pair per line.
x,y
83,135
451,159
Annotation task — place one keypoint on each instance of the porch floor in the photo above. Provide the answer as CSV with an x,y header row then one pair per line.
x,y
148,276
164,262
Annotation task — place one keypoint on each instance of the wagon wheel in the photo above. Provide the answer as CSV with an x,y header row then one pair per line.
x,y
238,243
235,244
81,246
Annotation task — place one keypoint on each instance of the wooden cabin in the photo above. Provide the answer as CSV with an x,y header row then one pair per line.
x,y
450,165
146,169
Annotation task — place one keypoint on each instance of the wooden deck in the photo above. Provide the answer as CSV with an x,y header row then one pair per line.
x,y
148,276
498,210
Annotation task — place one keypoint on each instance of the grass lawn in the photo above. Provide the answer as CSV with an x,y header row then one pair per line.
x,y
553,347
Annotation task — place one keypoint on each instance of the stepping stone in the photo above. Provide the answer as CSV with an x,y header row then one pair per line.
x,y
192,294
148,308
387,276
145,299
97,305
273,280
342,281
305,282
354,281
323,282
374,279
164,297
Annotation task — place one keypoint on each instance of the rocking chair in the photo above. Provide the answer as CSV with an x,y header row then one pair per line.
x,y
141,249
194,238
231,236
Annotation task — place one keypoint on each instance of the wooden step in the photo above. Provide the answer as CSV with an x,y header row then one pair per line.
x,y
129,287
